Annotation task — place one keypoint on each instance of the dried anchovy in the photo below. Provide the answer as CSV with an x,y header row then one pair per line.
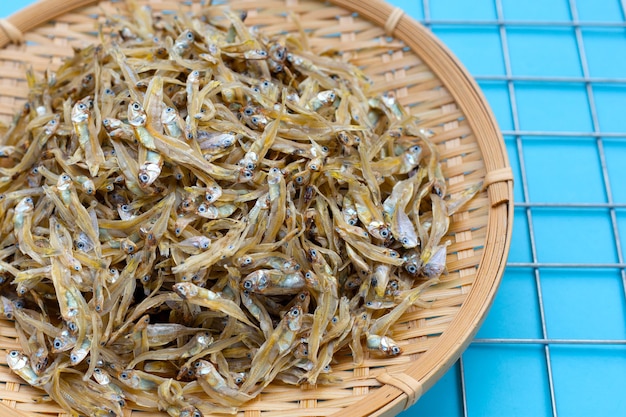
x,y
194,210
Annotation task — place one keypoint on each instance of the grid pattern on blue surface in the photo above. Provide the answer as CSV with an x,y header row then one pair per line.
x,y
554,73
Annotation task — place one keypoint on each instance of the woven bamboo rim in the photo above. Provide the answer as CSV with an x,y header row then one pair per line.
x,y
399,55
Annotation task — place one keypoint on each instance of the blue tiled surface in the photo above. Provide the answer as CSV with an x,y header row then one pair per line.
x,y
558,148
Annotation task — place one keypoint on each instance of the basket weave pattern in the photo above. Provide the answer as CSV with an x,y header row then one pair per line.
x,y
399,56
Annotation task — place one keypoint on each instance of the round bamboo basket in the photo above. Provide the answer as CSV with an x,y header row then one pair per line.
x,y
400,56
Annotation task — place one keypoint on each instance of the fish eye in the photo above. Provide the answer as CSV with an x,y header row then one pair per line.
x,y
145,279
295,312
308,275
302,296
73,357
170,110
65,177
247,174
414,148
250,166
72,326
314,167
299,179
313,253
201,208
81,106
205,245
395,350
112,271
247,284
19,304
179,176
256,89
197,364
144,178
278,68
80,245
238,380
28,200
248,111
261,52
255,120
412,269
393,254
190,37
124,375
352,222
325,149
209,197
266,83
136,106
109,92
404,240
335,320
52,122
384,233
14,353
369,303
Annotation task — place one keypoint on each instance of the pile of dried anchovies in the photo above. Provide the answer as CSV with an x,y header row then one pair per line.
x,y
193,210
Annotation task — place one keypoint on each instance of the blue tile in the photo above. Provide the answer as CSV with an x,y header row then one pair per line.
x,y
610,99
584,303
574,235
615,154
506,380
599,11
553,107
478,48
468,10
9,7
432,402
543,52
517,301
621,223
589,380
554,10
411,7
497,95
520,240
606,51
563,170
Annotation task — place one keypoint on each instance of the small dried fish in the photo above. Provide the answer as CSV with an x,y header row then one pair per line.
x,y
192,211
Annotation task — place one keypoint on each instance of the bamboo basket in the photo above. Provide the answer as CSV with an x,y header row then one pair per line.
x,y
400,56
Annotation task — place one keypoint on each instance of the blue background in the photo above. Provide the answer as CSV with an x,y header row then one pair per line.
x,y
554,72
